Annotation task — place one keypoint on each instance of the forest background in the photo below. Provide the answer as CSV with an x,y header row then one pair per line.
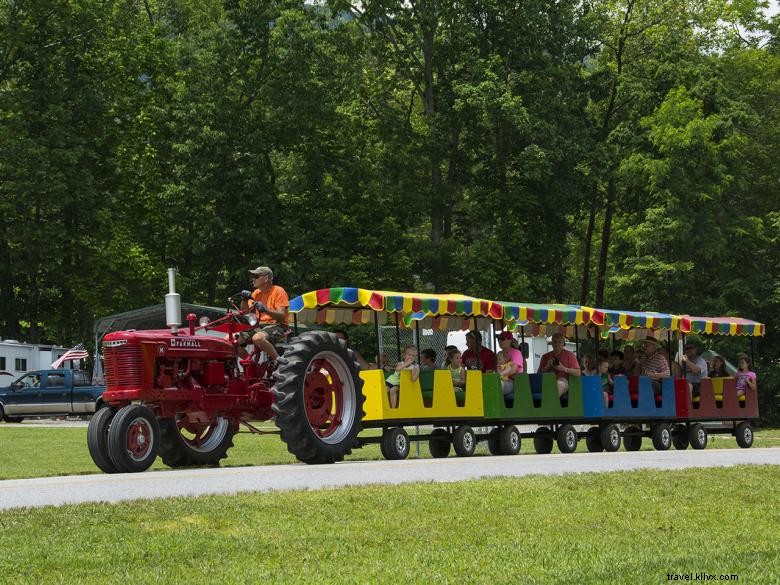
x,y
616,153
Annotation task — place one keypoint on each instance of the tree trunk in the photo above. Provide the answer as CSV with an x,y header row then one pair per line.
x,y
7,301
606,232
587,251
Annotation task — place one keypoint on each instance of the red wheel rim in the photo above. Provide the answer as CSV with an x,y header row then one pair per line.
x,y
323,397
139,438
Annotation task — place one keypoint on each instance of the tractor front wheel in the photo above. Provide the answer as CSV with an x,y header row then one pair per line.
x,y
97,439
133,439
319,398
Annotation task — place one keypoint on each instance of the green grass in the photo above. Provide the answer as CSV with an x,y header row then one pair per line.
x,y
625,527
34,451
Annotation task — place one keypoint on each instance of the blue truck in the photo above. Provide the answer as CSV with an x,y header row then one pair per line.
x,y
49,393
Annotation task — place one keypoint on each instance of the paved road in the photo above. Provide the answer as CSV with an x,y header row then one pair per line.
x,y
156,484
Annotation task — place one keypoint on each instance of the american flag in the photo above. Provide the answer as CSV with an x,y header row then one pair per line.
x,y
77,352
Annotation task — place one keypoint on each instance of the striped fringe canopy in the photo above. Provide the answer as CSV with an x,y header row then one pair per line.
x,y
357,305
347,305
722,326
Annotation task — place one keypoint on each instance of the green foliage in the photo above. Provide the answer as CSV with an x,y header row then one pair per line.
x,y
459,147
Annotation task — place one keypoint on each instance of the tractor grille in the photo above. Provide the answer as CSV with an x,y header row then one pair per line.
x,y
122,366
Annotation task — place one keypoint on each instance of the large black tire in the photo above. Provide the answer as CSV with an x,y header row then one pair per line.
x,y
632,442
566,437
509,440
610,437
97,439
744,435
593,440
661,434
133,439
680,437
318,374
439,443
697,435
202,446
494,444
543,441
395,444
464,441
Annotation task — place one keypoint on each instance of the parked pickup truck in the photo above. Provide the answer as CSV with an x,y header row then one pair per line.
x,y
49,393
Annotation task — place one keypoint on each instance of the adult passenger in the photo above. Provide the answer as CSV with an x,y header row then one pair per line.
x,y
560,361
271,304
344,336
630,361
653,364
477,357
514,363
694,368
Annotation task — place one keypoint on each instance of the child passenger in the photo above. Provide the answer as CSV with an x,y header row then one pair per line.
x,y
428,359
454,363
602,369
393,381
746,378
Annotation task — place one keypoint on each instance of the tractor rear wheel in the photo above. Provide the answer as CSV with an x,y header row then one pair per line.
x,y
319,398
133,438
184,444
97,439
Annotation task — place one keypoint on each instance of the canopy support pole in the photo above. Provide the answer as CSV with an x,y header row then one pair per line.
x,y
478,343
577,342
669,349
417,343
752,352
377,341
613,342
295,324
398,337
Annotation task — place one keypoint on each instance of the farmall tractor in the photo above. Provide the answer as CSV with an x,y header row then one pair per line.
x,y
182,395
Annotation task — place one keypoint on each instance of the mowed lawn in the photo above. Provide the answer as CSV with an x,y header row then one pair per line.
x,y
625,527
37,451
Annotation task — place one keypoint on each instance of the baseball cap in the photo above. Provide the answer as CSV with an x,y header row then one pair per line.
x,y
262,270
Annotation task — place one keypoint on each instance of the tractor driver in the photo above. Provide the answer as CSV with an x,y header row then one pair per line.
x,y
271,304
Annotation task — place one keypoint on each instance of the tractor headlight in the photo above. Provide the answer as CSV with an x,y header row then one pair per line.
x,y
203,321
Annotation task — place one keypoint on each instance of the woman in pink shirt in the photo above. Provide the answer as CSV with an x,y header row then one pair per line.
x,y
515,362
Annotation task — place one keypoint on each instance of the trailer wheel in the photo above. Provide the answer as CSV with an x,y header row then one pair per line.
x,y
395,444
133,438
439,443
632,442
183,443
319,398
744,435
97,439
593,440
464,441
494,442
680,437
509,440
661,435
566,437
610,437
543,441
697,436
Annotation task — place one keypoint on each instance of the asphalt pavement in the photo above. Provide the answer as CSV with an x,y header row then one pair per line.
x,y
16,493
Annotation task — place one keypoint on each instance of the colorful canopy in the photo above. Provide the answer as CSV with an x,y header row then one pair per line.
x,y
452,312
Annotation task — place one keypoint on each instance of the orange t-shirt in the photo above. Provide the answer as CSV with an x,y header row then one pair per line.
x,y
274,298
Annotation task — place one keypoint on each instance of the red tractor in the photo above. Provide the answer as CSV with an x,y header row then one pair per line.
x,y
182,395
